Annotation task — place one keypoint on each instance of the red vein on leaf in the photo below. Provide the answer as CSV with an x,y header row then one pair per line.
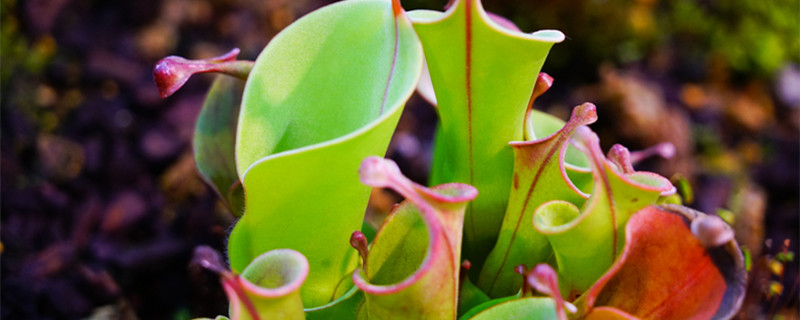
x,y
532,187
581,115
613,209
396,13
468,87
600,164
397,9
685,285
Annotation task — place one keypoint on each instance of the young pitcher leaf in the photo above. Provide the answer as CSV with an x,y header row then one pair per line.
x,y
586,241
539,124
411,270
323,95
269,288
483,75
539,176
215,137
667,272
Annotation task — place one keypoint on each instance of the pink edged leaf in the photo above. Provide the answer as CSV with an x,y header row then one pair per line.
x,y
543,83
586,241
667,272
417,248
269,288
545,280
539,176
172,72
540,124
325,93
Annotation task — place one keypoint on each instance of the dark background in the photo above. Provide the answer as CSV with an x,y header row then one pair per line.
x,y
102,206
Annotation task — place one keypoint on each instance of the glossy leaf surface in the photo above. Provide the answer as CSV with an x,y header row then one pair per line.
x,y
666,272
539,176
483,75
269,288
411,271
539,125
519,309
344,307
586,241
215,137
469,295
272,283
323,95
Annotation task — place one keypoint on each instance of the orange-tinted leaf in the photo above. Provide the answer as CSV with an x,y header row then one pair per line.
x,y
606,313
665,272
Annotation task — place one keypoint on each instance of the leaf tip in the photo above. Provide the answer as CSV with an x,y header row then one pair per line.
x,y
621,157
377,172
397,9
169,75
545,280
543,83
209,258
521,269
712,231
584,114
359,242
665,150
172,72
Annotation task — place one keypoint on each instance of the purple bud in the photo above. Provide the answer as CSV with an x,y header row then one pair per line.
x,y
172,72
359,241
209,259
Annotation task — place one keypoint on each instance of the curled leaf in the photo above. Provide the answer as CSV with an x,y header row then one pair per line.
x,y
539,176
417,249
543,83
324,94
269,288
665,272
586,241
